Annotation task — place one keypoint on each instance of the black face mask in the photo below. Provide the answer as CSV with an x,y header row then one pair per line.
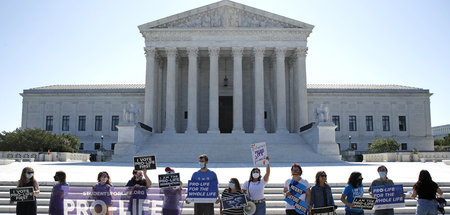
x,y
359,181
56,178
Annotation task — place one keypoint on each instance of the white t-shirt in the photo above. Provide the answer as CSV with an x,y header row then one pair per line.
x,y
256,190
303,196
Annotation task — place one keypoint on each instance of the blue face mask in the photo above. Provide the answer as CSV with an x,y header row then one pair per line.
x,y
202,165
382,174
29,175
231,185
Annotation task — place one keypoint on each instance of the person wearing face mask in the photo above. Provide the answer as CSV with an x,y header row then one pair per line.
x,y
204,174
172,197
234,189
137,189
353,189
27,180
254,188
383,180
103,191
59,191
296,172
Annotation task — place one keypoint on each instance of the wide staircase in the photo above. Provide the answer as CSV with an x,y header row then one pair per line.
x,y
273,193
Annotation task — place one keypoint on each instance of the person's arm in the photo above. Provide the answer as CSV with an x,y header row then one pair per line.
x,y
370,190
266,176
308,197
439,191
414,194
286,192
147,179
343,196
36,188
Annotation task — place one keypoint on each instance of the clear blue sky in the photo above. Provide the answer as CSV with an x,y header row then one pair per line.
x,y
405,42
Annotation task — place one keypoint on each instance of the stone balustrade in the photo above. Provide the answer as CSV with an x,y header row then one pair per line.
x,y
45,156
406,156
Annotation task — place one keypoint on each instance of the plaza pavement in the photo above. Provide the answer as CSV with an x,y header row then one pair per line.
x,y
120,173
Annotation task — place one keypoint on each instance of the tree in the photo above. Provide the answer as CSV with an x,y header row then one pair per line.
x,y
384,145
37,140
442,143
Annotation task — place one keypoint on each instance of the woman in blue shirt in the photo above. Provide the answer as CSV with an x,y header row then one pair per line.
x,y
353,189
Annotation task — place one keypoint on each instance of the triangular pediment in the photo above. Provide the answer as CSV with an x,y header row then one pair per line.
x,y
225,14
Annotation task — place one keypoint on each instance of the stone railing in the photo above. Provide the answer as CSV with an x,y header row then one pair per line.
x,y
45,156
406,156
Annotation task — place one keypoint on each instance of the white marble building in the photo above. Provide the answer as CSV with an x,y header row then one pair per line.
x,y
229,74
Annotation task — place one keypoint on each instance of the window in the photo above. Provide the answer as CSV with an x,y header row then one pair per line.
x,y
98,123
113,145
352,123
114,122
97,146
49,123
185,115
386,126
369,123
354,146
404,146
337,122
81,146
65,123
82,123
402,123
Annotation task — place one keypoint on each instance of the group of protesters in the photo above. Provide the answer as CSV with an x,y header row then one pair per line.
x,y
317,196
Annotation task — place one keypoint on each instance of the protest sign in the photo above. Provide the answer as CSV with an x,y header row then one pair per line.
x,y
259,153
296,189
144,162
235,201
323,211
21,194
169,180
388,196
202,191
365,203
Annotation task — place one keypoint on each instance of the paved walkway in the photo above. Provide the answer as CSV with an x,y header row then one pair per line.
x,y
122,172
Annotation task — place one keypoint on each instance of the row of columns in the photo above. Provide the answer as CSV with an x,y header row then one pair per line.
x,y
300,88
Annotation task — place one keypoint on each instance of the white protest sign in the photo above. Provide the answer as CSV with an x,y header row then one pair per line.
x,y
259,153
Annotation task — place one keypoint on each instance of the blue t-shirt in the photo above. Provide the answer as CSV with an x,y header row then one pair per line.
x,y
352,192
205,176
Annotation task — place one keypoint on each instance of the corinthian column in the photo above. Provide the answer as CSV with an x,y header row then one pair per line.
x,y
281,90
149,104
302,98
170,90
192,90
259,90
237,90
214,90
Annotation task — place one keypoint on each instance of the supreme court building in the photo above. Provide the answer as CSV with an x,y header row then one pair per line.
x,y
224,76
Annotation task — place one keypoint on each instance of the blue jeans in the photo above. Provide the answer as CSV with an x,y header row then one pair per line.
x,y
347,212
260,208
426,207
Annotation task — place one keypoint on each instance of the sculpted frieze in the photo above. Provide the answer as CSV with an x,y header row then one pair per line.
x,y
226,17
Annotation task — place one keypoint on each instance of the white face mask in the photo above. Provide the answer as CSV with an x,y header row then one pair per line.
x,y
255,175
105,179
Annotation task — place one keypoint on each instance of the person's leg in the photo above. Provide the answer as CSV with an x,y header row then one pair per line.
x,y
260,208
291,212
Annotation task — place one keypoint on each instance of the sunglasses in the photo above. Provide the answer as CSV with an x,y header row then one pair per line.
x,y
323,176
30,172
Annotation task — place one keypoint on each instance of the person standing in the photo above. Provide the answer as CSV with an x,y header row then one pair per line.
x,y
321,195
172,197
353,189
296,172
254,188
426,189
27,180
234,189
59,191
204,174
137,187
103,191
383,180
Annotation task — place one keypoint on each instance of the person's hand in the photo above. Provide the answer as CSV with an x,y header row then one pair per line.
x,y
181,186
137,186
267,158
187,202
11,202
287,194
144,170
217,201
351,205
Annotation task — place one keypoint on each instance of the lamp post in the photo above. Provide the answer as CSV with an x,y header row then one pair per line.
x,y
350,142
101,148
